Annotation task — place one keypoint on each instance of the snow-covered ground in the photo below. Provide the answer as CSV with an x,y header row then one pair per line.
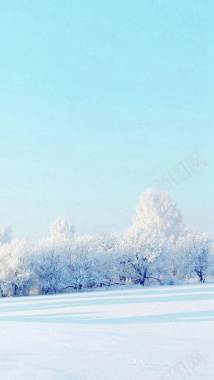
x,y
135,334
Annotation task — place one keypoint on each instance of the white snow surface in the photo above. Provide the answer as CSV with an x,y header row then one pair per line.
x,y
130,334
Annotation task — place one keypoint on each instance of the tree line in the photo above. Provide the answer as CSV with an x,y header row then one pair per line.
x,y
157,249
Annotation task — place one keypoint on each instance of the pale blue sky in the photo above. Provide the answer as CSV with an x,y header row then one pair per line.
x,y
98,99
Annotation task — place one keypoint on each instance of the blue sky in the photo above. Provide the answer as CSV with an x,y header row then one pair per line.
x,y
98,99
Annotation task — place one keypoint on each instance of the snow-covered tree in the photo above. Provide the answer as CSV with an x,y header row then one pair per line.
x,y
194,255
50,266
61,229
141,255
147,243
157,213
80,262
107,241
15,267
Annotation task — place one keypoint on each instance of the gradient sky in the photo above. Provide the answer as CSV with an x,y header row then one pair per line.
x,y
98,99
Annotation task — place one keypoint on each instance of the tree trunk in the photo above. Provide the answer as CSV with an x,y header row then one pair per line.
x,y
143,278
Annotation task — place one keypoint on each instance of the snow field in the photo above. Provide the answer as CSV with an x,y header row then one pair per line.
x,y
135,334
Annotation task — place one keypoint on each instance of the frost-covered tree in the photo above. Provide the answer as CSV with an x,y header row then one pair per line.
x,y
147,243
106,267
80,262
157,213
141,255
194,255
61,229
15,267
50,266
107,241
51,258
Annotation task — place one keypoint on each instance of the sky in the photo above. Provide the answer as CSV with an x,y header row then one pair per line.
x,y
100,100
